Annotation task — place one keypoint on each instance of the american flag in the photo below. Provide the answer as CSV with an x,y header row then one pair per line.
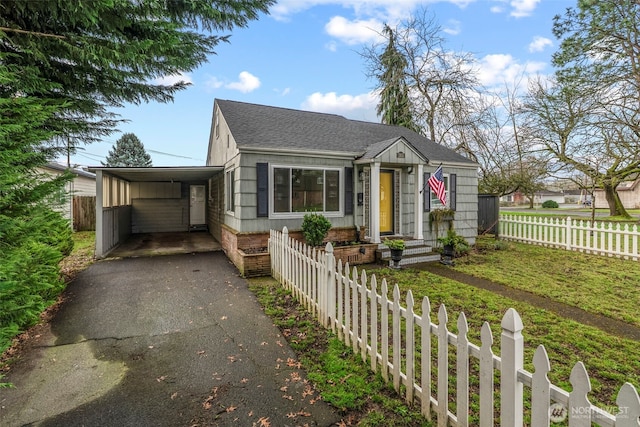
x,y
436,183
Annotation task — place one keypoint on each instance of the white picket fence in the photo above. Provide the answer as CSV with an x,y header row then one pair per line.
x,y
601,237
397,342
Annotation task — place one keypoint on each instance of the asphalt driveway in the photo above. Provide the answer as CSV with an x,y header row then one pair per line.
x,y
175,340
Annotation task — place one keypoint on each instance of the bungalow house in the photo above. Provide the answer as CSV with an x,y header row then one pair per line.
x,y
268,166
281,163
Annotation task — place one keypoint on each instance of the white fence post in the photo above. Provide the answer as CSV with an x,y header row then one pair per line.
x,y
329,308
540,388
569,233
443,368
512,356
486,377
285,256
629,406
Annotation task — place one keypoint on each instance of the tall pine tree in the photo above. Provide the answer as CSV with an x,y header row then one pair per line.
x,y
92,56
33,237
128,151
395,105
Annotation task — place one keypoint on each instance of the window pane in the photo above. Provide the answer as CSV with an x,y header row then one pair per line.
x,y
307,190
435,202
281,190
332,203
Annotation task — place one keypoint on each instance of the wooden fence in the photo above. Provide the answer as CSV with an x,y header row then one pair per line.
x,y
84,213
601,237
412,352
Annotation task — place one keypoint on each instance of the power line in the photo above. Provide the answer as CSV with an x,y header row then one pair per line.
x,y
174,155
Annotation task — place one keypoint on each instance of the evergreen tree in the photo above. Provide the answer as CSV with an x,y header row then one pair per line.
x,y
63,67
395,105
128,151
33,237
91,56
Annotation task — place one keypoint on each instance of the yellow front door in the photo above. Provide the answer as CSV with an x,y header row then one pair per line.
x,y
386,202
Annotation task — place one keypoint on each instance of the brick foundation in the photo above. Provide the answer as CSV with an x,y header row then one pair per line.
x,y
239,247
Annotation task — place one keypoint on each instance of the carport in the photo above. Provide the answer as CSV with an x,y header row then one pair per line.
x,y
131,201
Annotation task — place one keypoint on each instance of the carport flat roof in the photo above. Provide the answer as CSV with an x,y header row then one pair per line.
x,y
169,173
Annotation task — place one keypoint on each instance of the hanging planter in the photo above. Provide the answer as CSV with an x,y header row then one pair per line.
x,y
442,214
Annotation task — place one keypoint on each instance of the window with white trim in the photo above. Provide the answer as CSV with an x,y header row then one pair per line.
x,y
303,189
435,202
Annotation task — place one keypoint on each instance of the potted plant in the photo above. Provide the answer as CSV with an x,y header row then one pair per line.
x,y
453,245
396,246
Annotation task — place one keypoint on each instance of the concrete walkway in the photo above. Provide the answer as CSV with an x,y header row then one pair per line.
x,y
175,340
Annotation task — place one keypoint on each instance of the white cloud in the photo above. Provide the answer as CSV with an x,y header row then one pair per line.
x,y
386,10
332,46
213,83
357,107
283,92
173,79
539,44
247,83
496,69
453,27
522,8
354,32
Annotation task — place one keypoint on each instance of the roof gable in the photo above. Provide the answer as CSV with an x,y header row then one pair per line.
x,y
401,145
263,127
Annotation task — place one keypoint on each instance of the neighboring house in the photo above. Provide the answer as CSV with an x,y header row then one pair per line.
x,y
629,192
539,197
83,184
515,198
268,166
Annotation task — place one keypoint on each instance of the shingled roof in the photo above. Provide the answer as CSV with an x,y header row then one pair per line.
x,y
260,126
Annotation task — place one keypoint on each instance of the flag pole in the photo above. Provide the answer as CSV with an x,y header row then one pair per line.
x,y
426,182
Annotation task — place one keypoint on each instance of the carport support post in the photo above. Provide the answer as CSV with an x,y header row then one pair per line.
x,y
99,223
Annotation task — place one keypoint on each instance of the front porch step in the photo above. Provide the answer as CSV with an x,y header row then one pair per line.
x,y
416,251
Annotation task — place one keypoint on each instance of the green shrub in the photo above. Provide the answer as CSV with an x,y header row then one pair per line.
x,y
459,243
550,204
31,248
315,228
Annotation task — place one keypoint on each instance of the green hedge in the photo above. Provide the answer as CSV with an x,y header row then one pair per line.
x,y
31,248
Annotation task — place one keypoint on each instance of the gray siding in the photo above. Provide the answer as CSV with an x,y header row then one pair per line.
x,y
466,216
245,217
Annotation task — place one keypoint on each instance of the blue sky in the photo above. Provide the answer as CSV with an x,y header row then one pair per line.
x,y
305,55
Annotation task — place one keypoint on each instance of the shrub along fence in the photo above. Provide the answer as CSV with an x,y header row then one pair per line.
x,y
601,237
412,352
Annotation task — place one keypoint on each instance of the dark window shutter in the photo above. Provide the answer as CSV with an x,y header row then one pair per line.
x,y
452,191
262,177
426,192
348,191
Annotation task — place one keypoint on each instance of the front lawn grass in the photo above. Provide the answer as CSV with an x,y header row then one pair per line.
x,y
361,396
597,284
610,360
